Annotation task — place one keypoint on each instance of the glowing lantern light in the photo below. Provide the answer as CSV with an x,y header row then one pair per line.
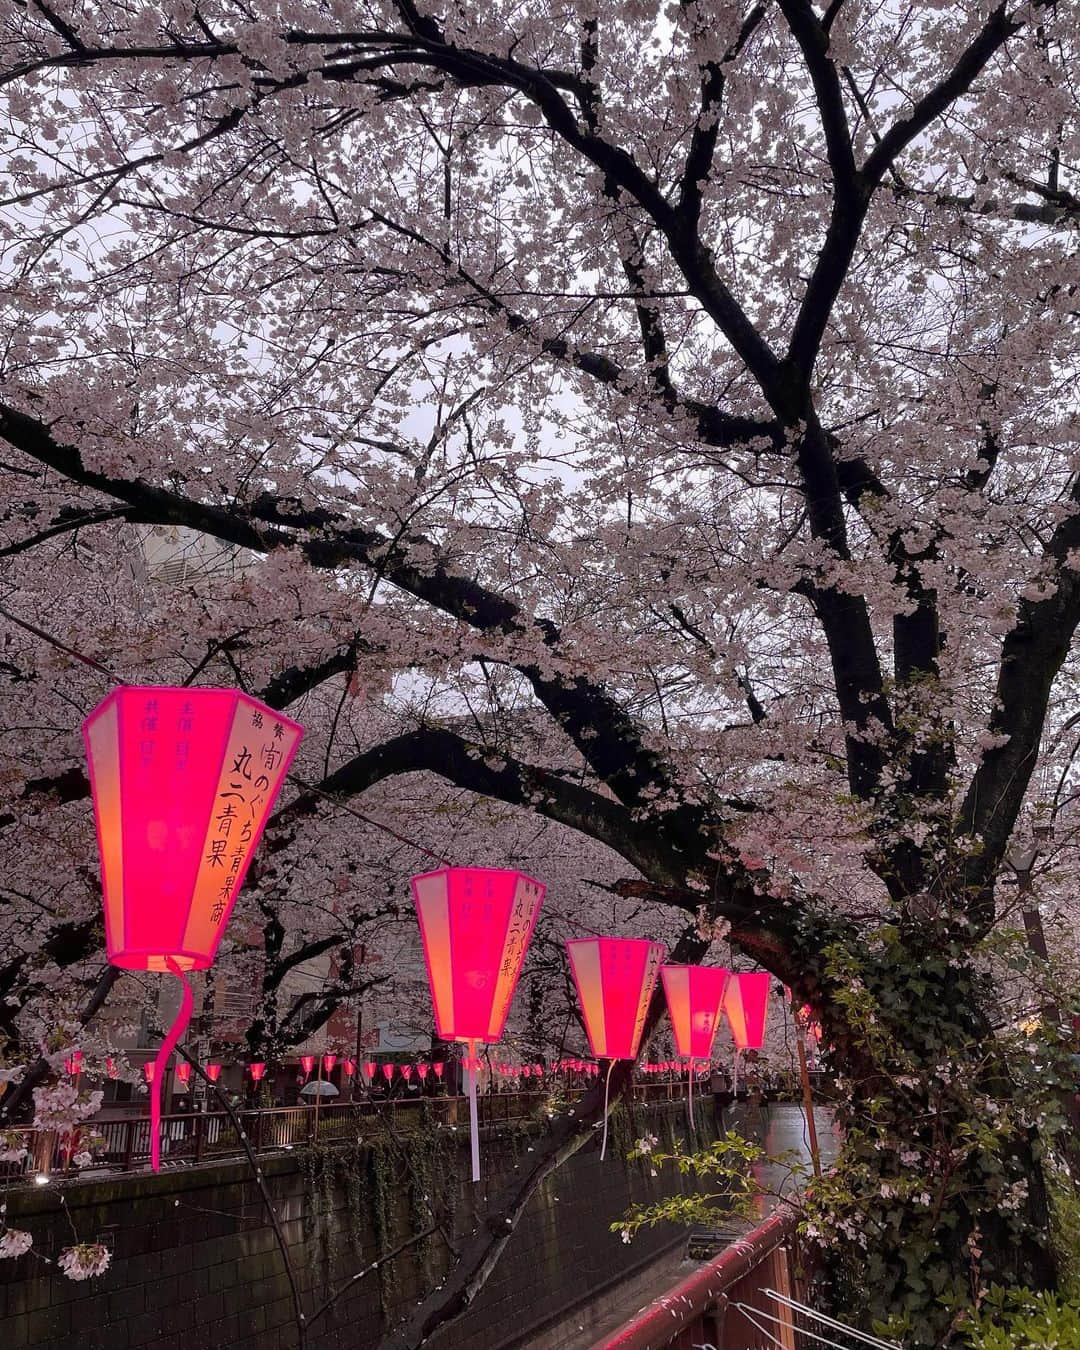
x,y
615,978
422,1070
213,1072
349,1065
328,1062
370,1069
110,1066
307,1063
695,999
476,924
183,782
148,1070
183,1073
388,1071
73,1066
406,1071
257,1070
746,1002
439,1069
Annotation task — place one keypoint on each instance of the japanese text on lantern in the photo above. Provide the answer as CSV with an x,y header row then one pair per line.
x,y
648,980
258,749
518,932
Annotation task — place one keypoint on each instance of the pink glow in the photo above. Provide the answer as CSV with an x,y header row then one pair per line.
x,y
183,781
349,1066
388,1071
746,1002
213,1072
440,1069
307,1063
183,1072
615,978
257,1070
695,999
328,1062
475,924
422,1070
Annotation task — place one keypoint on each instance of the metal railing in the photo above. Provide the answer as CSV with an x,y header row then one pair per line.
x,y
123,1145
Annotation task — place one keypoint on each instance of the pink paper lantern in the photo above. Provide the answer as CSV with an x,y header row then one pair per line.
x,y
183,1072
439,1069
370,1069
213,1072
349,1065
695,999
615,978
388,1071
110,1066
183,782
148,1070
73,1066
475,924
406,1071
307,1063
423,1070
746,1002
257,1070
328,1062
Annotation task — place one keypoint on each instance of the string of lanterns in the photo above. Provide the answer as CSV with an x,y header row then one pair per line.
x,y
183,781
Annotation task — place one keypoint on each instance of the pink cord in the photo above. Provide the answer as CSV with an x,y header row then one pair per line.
x,y
179,1026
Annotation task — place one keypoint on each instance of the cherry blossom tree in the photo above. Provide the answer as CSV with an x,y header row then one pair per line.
x,y
658,418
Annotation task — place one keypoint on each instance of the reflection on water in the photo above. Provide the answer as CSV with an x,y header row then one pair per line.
x,y
781,1130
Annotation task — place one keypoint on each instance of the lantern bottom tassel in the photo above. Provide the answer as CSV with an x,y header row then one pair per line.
x,y
607,1086
179,1026
690,1092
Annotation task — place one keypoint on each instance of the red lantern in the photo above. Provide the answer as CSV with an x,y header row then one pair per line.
x,y
615,978
307,1063
349,1066
328,1062
422,1070
370,1068
183,1072
257,1070
695,999
73,1066
148,1070
213,1072
388,1071
110,1066
406,1071
183,781
475,924
439,1069
746,1002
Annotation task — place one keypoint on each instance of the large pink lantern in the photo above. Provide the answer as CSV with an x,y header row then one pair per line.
x,y
695,999
476,924
183,782
615,979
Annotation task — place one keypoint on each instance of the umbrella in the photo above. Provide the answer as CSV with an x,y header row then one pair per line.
x,y
319,1089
